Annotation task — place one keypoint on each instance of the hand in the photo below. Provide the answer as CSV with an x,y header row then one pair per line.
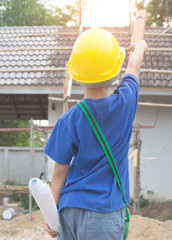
x,y
140,44
52,233
136,58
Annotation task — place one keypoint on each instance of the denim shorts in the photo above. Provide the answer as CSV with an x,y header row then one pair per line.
x,y
82,224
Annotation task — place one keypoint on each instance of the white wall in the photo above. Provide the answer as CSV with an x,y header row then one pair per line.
x,y
15,164
53,115
55,109
156,176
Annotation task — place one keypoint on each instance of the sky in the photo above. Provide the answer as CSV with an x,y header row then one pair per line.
x,y
102,12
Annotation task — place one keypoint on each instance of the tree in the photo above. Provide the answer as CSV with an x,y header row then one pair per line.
x,y
77,11
158,11
19,139
31,12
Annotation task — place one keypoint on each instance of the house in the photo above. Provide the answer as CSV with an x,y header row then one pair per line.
x,y
29,58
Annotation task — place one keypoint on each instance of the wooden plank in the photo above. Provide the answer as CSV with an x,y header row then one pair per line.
x,y
67,89
139,27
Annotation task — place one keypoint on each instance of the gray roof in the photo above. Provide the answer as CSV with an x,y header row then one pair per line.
x,y
32,38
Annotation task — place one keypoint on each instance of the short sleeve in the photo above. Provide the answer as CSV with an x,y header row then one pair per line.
x,y
61,145
128,90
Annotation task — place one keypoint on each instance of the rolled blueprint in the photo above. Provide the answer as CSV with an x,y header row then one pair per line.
x,y
43,196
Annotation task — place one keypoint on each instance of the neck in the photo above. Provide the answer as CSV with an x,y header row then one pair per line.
x,y
96,93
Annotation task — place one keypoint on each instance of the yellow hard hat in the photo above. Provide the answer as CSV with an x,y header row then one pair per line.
x,y
96,57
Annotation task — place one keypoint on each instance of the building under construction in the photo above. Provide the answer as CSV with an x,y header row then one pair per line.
x,y
33,69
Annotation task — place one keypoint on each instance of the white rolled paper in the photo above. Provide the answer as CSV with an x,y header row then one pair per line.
x,y
43,196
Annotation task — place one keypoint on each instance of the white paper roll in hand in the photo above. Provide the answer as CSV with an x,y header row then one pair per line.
x,y
44,199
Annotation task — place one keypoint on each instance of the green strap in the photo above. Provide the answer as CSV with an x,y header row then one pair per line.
x,y
103,142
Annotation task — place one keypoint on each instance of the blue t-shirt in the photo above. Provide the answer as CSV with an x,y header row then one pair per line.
x,y
90,183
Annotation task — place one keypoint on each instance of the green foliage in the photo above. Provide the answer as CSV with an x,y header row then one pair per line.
x,y
156,11
13,183
31,12
18,139
74,11
39,139
150,193
23,200
169,215
140,4
143,201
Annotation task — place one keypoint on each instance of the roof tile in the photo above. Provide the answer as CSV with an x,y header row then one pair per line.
x,y
58,58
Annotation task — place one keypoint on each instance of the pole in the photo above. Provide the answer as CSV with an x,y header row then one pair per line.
x,y
65,84
45,158
130,14
138,32
31,167
167,13
135,192
80,13
138,183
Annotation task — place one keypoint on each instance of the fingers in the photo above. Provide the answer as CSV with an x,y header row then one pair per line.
x,y
131,47
141,44
52,233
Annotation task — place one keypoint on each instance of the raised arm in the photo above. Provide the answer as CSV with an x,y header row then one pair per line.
x,y
136,59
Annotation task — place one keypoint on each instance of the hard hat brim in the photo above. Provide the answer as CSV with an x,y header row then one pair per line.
x,y
105,77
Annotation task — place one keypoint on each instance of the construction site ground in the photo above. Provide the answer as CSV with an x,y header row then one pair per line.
x,y
155,222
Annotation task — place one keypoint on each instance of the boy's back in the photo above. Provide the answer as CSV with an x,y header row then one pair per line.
x,y
90,176
84,187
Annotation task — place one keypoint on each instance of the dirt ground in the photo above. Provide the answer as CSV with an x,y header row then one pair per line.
x,y
19,228
154,224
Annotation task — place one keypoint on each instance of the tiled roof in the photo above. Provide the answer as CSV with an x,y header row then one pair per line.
x,y
58,58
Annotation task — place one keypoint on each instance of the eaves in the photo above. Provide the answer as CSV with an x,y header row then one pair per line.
x,y
76,90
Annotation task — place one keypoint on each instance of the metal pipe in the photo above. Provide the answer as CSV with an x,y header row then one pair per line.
x,y
63,100
34,70
160,49
146,126
151,71
25,129
70,48
14,129
35,49
139,103
147,104
63,69
167,29
159,34
77,33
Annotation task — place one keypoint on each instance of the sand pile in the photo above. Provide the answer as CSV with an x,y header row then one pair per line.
x,y
19,228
